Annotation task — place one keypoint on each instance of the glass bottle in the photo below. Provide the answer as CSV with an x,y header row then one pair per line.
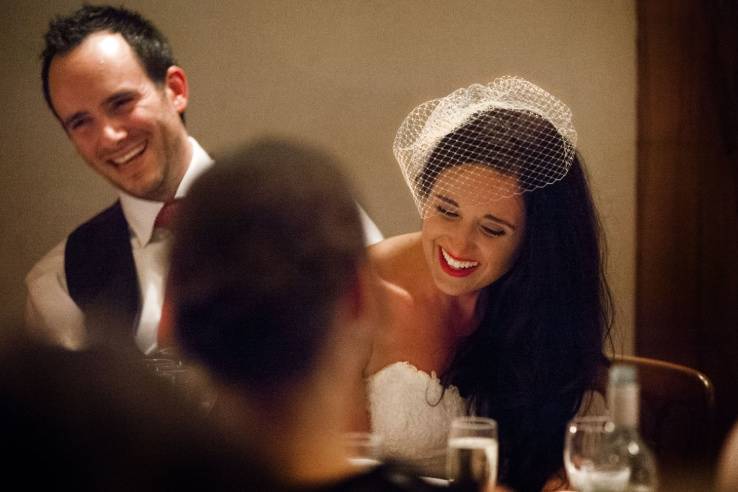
x,y
623,395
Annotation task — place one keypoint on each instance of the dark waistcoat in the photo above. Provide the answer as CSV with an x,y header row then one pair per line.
x,y
101,277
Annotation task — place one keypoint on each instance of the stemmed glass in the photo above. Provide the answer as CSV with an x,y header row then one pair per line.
x,y
363,449
591,463
188,380
472,452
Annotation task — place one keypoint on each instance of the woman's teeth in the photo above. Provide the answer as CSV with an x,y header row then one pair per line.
x,y
458,264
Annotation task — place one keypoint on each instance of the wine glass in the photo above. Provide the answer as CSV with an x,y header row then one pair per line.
x,y
170,353
157,364
363,449
192,383
472,452
592,463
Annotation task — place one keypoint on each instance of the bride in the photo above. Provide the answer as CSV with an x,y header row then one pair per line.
x,y
498,306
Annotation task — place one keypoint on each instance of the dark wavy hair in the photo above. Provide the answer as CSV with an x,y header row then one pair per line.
x,y
272,239
539,344
67,32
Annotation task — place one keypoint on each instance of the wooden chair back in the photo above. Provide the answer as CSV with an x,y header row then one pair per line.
x,y
677,408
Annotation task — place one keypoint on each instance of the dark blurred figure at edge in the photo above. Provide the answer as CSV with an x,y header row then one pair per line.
x,y
90,420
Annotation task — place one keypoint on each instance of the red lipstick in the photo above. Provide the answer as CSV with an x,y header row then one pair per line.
x,y
454,272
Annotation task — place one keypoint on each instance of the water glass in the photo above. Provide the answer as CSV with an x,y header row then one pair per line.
x,y
363,449
169,353
159,364
591,463
472,452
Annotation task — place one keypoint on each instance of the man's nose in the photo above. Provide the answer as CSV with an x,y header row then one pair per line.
x,y
113,132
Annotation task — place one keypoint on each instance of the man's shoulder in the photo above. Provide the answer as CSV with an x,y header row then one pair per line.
x,y
53,261
97,245
109,215
108,226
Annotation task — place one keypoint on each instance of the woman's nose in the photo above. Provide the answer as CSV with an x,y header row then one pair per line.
x,y
462,239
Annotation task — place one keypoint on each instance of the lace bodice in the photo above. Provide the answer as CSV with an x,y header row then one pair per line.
x,y
409,408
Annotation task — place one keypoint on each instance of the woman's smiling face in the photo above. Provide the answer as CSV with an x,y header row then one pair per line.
x,y
471,236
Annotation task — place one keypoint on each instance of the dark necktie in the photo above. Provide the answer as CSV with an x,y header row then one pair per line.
x,y
166,215
165,332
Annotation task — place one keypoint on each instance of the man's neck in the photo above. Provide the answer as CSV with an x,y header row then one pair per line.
x,y
301,434
184,159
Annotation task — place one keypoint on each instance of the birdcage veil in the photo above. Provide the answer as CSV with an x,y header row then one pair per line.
x,y
510,126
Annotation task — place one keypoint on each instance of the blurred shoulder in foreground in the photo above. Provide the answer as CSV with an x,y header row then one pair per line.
x,y
95,420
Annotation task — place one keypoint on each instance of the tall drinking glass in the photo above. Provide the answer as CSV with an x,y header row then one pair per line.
x,y
592,464
472,452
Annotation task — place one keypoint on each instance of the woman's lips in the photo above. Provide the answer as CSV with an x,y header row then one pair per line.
x,y
455,267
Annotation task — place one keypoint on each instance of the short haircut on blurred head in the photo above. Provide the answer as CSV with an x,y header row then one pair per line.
x,y
271,242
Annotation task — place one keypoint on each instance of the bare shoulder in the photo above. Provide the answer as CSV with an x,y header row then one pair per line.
x,y
391,257
401,276
410,330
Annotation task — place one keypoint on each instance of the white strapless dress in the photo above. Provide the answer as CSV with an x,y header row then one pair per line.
x,y
408,411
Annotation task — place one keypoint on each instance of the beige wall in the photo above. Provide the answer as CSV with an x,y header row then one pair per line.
x,y
343,73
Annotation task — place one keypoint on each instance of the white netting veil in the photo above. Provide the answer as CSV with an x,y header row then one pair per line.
x,y
509,128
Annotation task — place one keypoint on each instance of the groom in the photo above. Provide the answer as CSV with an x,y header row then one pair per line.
x,y
110,79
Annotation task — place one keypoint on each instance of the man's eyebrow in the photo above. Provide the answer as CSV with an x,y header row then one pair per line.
x,y
108,101
68,121
113,98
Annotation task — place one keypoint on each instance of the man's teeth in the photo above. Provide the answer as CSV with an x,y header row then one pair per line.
x,y
458,264
130,154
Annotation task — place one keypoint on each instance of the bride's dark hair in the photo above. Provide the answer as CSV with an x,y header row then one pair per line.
x,y
539,343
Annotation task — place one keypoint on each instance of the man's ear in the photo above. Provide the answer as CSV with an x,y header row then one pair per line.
x,y
177,88
365,298
358,295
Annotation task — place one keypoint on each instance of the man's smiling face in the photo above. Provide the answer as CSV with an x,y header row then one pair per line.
x,y
125,126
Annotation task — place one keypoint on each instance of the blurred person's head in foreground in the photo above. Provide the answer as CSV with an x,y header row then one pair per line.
x,y
93,420
270,293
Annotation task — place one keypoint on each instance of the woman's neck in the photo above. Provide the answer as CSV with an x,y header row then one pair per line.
x,y
463,313
425,324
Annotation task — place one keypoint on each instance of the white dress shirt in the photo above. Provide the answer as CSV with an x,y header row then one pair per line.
x,y
50,311
52,315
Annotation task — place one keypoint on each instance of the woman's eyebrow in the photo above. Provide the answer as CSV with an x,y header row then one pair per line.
x,y
447,200
501,221
453,202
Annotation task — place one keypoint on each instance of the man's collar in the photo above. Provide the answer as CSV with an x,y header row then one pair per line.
x,y
141,214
